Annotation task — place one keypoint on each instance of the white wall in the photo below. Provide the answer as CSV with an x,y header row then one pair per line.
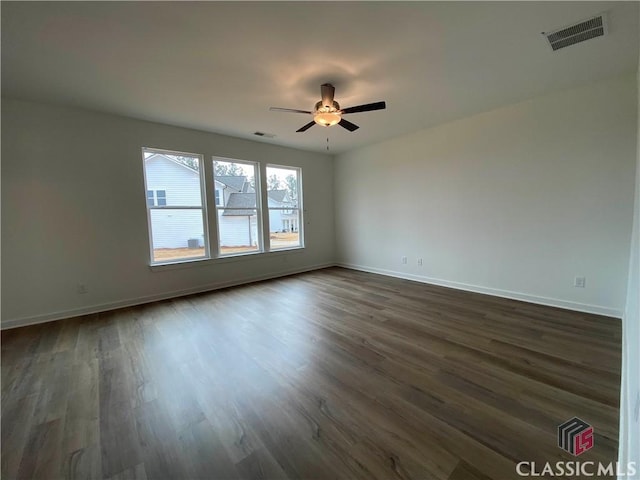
x,y
629,450
73,211
515,202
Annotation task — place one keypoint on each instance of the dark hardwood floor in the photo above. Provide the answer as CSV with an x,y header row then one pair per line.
x,y
329,374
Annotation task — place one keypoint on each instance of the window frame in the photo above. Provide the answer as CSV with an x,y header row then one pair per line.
x,y
209,210
159,198
299,208
257,168
154,197
203,206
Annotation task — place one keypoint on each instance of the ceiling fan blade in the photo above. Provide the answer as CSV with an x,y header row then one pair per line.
x,y
291,110
365,108
348,125
306,127
327,90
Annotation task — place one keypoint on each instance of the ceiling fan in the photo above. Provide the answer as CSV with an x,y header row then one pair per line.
x,y
327,111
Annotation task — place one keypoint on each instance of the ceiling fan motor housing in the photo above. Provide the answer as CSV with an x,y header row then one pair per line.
x,y
321,108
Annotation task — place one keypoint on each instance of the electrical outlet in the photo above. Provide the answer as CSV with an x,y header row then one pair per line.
x,y
404,260
579,282
419,262
82,288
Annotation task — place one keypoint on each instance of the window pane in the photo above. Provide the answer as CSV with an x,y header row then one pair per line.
x,y
162,198
283,186
177,234
178,230
238,231
237,206
174,179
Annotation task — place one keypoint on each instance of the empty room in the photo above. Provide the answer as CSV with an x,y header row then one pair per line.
x,y
320,240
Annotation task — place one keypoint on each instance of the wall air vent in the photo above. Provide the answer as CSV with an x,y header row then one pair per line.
x,y
579,32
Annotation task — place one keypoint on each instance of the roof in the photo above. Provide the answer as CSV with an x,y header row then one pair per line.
x,y
277,195
159,156
281,199
240,200
235,182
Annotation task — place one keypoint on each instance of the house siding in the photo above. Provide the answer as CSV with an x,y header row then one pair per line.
x,y
236,231
181,183
277,217
173,228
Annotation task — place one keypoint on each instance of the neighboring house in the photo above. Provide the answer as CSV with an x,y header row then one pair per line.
x,y
239,227
236,228
282,220
171,183
225,186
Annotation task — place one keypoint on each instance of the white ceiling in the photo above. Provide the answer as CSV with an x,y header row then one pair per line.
x,y
219,66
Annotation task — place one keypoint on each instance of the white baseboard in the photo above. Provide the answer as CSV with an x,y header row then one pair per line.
x,y
551,302
130,302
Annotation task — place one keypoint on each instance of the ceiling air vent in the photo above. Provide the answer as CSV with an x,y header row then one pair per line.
x,y
262,134
579,32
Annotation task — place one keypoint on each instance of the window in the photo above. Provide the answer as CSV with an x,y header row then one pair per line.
x,y
179,191
175,211
284,195
237,212
156,198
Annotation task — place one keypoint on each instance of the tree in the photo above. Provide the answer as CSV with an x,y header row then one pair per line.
x,y
273,182
190,162
226,169
292,186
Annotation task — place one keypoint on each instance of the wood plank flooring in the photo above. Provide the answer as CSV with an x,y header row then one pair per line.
x,y
328,374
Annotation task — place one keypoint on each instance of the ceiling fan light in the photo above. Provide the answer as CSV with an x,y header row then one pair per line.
x,y
326,119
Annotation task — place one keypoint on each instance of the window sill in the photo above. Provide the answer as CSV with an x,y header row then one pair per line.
x,y
203,262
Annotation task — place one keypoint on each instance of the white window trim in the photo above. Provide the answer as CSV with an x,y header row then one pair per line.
x,y
299,208
203,262
257,168
202,207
